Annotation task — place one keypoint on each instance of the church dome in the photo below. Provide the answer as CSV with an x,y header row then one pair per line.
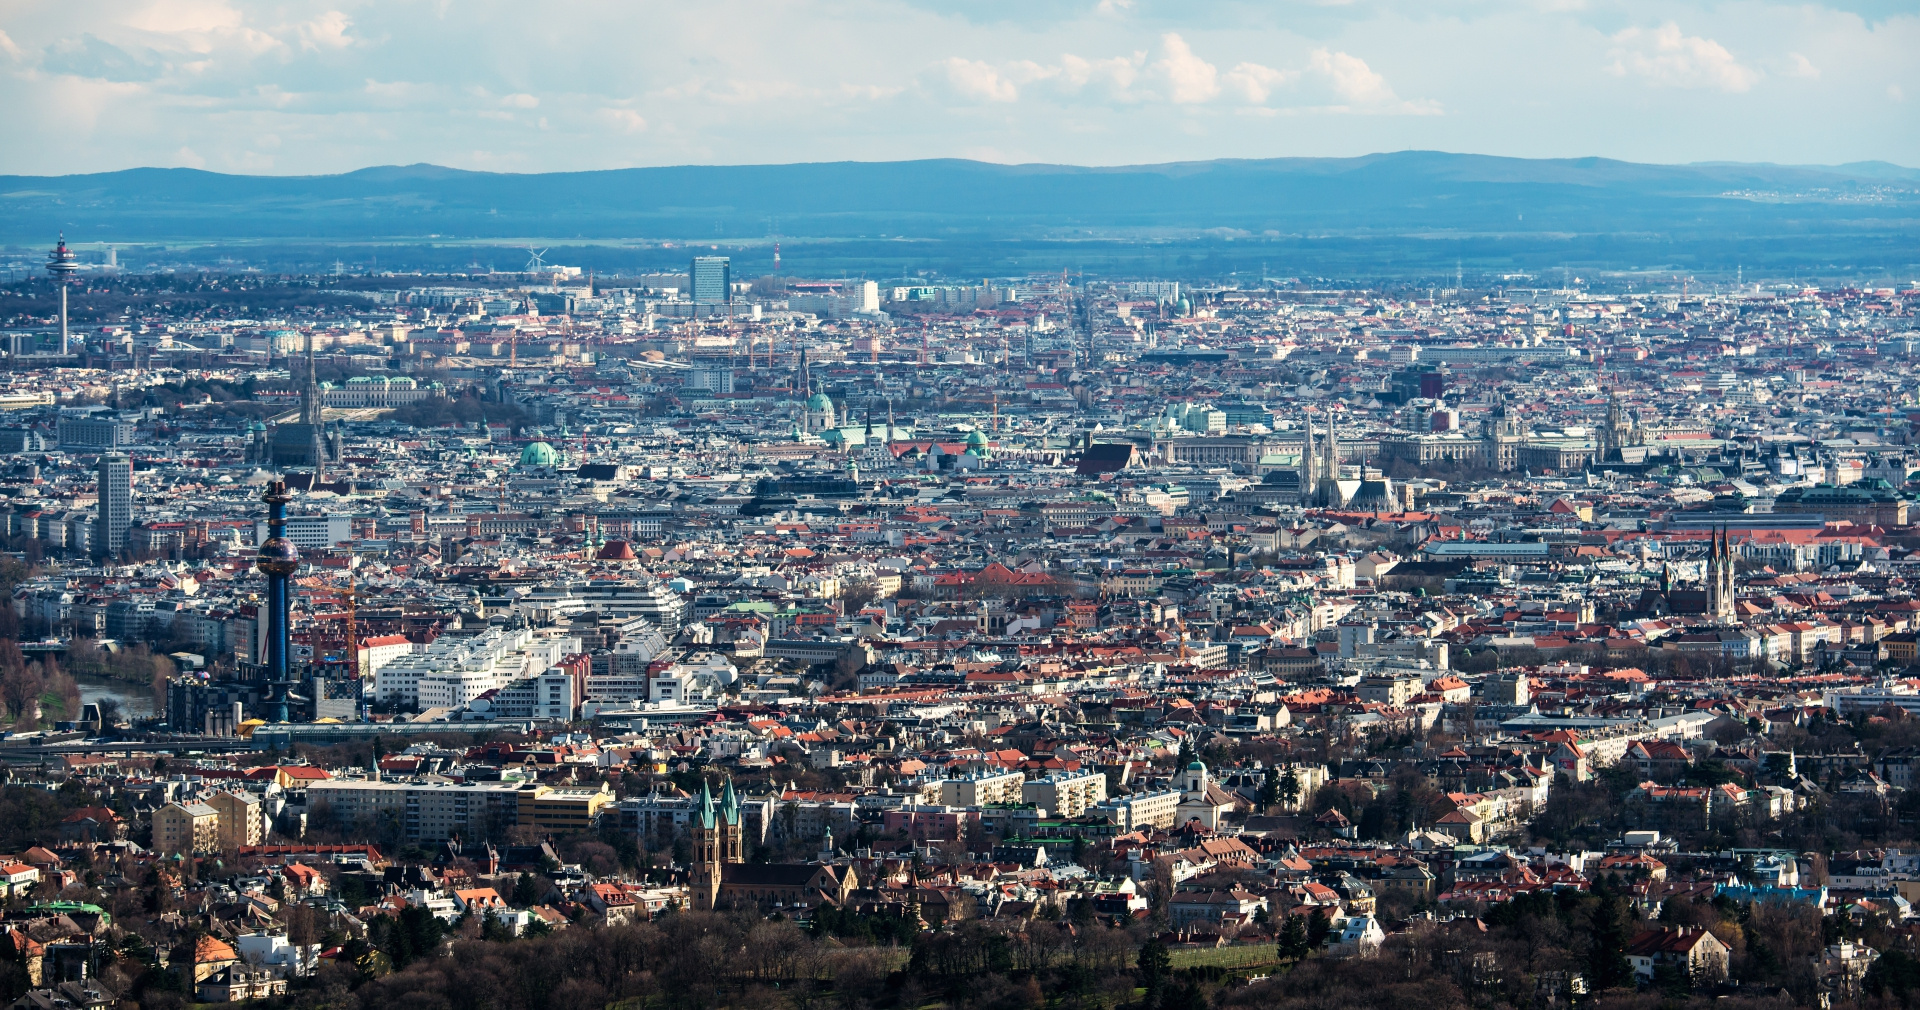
x,y
537,454
977,443
819,401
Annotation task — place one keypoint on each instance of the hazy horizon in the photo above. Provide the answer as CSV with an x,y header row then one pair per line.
x,y
1829,166
299,87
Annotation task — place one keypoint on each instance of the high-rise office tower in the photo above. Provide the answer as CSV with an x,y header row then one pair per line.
x,y
711,279
115,473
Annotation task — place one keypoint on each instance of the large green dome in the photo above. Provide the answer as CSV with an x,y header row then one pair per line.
x,y
819,401
537,454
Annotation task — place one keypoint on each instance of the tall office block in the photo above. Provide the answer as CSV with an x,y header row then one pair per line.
x,y
711,279
115,473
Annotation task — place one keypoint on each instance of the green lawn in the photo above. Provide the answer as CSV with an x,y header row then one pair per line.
x,y
1226,957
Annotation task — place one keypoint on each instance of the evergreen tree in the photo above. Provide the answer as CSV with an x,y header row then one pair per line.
x,y
1895,972
1269,789
525,892
1183,996
1290,786
1293,938
1607,964
1318,926
1156,964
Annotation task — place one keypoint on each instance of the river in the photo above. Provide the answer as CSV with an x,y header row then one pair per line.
x,y
136,701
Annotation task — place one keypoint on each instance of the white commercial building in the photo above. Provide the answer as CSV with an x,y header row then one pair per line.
x,y
457,668
1140,810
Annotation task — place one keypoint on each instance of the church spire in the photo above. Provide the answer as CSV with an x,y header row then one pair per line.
x,y
1332,449
310,410
1307,462
313,415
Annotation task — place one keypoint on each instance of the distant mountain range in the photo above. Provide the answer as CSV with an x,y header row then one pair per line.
x,y
1872,208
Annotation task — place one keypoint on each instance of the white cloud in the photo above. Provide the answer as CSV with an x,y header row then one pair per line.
x,y
625,120
1256,83
1117,73
1328,82
1800,66
7,46
520,101
1189,78
184,16
328,31
869,92
1666,57
200,26
977,80
1350,78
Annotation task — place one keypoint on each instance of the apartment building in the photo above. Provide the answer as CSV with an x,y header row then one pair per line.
x,y
983,789
241,820
1066,794
1140,810
182,829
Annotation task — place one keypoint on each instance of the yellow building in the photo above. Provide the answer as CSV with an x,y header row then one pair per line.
x,y
981,789
562,809
240,819
183,829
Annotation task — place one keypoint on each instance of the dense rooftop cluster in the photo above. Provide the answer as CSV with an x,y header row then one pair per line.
x,y
1040,639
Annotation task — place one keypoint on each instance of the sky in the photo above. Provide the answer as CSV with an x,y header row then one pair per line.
x,y
299,88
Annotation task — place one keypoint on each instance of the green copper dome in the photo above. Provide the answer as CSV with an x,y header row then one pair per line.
x,y
537,454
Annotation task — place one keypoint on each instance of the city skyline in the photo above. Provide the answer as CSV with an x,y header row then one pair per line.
x,y
324,87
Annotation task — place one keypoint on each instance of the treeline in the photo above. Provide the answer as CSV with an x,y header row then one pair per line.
x,y
30,817
1512,955
717,960
435,412
34,693
1520,954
